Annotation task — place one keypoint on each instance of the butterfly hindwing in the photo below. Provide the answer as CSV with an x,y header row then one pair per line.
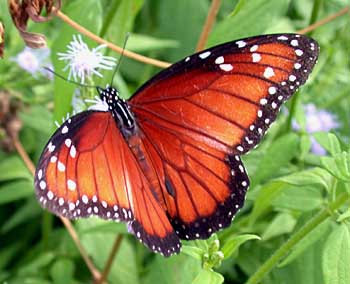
x,y
202,192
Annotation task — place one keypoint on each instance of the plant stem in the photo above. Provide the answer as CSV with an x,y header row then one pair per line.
x,y
214,8
287,246
110,260
324,21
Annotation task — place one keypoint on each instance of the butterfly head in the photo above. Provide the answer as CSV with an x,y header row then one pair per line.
x,y
117,106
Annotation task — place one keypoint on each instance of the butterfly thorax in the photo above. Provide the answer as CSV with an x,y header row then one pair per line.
x,y
133,136
119,108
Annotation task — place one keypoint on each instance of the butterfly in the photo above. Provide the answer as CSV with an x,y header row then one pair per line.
x,y
167,161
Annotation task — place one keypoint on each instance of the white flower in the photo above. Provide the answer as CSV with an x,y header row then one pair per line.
x,y
83,62
32,60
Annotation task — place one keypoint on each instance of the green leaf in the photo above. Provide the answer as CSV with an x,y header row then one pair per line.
x,y
38,118
98,246
208,277
328,141
345,215
9,252
315,176
264,199
338,165
142,43
37,263
282,224
311,238
336,256
233,243
193,251
250,17
302,198
22,215
62,271
173,270
305,146
13,168
280,152
184,29
13,191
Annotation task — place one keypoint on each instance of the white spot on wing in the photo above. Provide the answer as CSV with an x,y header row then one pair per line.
x,y
268,73
256,57
226,67
71,185
297,66
61,167
299,52
219,60
254,48
51,147
241,43
85,199
294,42
50,195
42,185
282,38
64,129
204,54
72,152
68,142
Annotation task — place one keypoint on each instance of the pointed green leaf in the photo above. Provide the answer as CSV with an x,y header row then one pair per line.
x,y
282,224
15,190
336,256
233,243
208,277
310,177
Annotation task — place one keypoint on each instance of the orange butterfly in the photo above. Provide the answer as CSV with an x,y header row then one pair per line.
x,y
168,160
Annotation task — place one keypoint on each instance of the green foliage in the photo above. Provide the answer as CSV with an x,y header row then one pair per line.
x,y
297,207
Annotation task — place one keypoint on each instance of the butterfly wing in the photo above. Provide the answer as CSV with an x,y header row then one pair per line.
x,y
227,96
201,191
198,115
88,169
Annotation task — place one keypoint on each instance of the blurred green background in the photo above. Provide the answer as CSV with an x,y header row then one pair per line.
x,y
297,171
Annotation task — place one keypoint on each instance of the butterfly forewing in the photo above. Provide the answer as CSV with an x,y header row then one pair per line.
x,y
228,95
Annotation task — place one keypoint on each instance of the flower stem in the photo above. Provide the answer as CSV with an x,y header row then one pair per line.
x,y
110,260
324,21
214,8
299,235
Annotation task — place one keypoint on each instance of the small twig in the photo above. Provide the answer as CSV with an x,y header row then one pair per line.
x,y
110,260
112,46
324,21
95,273
29,164
209,22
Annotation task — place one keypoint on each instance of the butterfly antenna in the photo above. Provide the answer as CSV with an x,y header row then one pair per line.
x,y
121,57
67,80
